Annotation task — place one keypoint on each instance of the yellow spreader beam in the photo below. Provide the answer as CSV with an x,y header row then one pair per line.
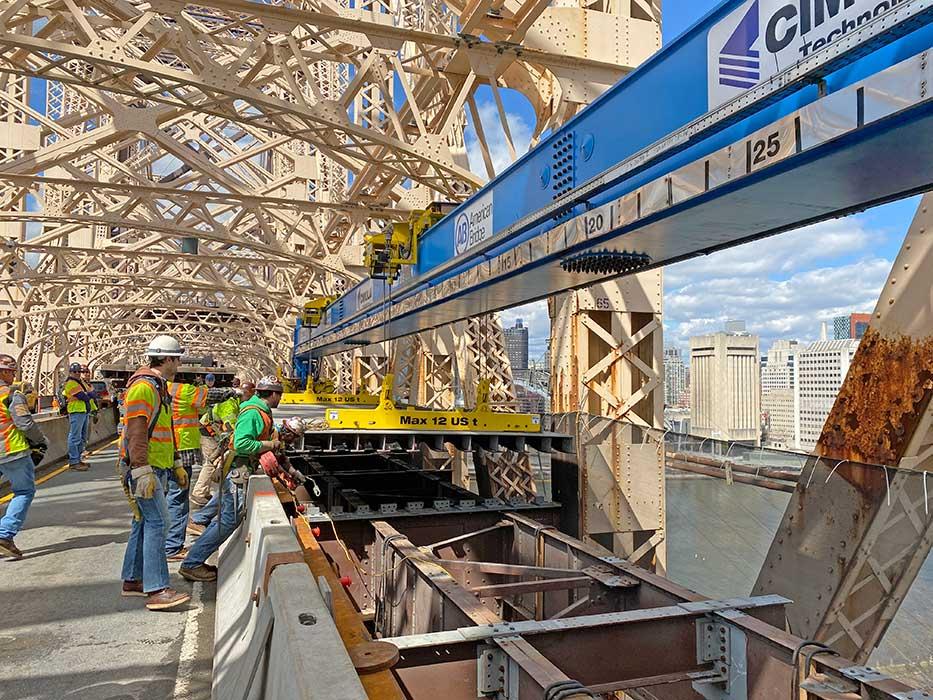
x,y
314,398
387,416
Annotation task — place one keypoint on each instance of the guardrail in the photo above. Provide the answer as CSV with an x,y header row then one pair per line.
x,y
274,634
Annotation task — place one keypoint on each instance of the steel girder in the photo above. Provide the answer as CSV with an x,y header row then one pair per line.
x,y
238,150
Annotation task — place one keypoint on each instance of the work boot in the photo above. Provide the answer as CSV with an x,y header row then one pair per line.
x,y
166,598
195,529
85,464
8,549
132,588
198,573
180,555
79,467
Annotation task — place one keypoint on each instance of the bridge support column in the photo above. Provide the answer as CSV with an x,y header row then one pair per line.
x,y
435,367
860,523
607,383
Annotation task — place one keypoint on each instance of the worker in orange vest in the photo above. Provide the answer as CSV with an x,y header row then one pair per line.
x,y
188,400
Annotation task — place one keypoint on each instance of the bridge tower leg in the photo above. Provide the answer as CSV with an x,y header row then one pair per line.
x,y
860,523
607,387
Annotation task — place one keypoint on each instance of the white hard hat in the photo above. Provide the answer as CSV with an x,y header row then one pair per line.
x,y
164,346
294,425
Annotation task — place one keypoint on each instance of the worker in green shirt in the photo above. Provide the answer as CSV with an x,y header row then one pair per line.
x,y
219,418
253,435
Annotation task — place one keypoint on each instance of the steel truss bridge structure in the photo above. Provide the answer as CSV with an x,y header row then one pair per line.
x,y
203,169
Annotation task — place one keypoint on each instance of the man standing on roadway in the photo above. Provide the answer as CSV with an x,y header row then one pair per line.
x,y
147,456
253,435
218,419
78,404
188,401
19,435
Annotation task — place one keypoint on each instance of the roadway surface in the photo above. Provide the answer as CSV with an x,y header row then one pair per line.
x,y
66,632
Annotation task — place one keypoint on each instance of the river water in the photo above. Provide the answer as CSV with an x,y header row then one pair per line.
x,y
717,538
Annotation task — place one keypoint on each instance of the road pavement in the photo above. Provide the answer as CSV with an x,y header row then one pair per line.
x,y
65,631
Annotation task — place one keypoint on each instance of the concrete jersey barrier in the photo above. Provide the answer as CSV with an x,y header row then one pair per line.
x,y
55,428
274,637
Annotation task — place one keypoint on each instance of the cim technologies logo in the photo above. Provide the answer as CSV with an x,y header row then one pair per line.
x,y
739,60
763,37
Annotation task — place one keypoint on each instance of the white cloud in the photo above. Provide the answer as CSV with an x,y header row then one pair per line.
x,y
495,139
783,287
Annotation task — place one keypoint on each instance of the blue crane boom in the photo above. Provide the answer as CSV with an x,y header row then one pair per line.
x,y
764,116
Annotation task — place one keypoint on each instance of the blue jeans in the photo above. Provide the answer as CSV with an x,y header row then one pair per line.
x,y
22,475
178,506
77,434
145,551
207,513
219,529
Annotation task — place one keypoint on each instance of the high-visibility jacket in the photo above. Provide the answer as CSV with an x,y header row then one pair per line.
x,y
253,425
12,439
141,401
187,402
221,415
72,388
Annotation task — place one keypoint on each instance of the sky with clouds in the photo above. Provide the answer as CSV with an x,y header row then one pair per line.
x,y
783,287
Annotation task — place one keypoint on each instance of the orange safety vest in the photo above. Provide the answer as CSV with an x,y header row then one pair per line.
x,y
187,399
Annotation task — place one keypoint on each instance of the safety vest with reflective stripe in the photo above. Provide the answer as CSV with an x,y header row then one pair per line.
x,y
187,401
71,389
12,439
140,402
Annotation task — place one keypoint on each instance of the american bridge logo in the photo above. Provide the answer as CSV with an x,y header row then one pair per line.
x,y
473,225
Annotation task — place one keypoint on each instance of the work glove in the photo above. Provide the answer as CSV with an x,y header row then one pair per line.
x,y
37,452
270,445
144,481
181,477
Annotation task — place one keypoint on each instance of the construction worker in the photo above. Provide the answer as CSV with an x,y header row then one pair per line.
x,y
253,435
19,436
188,401
93,407
78,400
147,457
218,418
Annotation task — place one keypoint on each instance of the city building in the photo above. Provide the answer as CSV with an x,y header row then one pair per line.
x,y
851,326
777,393
725,387
820,370
676,383
516,345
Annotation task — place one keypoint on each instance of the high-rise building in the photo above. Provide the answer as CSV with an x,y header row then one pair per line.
x,y
851,326
777,393
675,379
516,345
725,387
820,370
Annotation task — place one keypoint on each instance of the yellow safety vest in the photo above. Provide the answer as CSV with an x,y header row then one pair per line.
x,y
187,400
141,400
72,387
12,439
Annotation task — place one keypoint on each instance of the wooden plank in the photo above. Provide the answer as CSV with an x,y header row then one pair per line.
x,y
380,685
